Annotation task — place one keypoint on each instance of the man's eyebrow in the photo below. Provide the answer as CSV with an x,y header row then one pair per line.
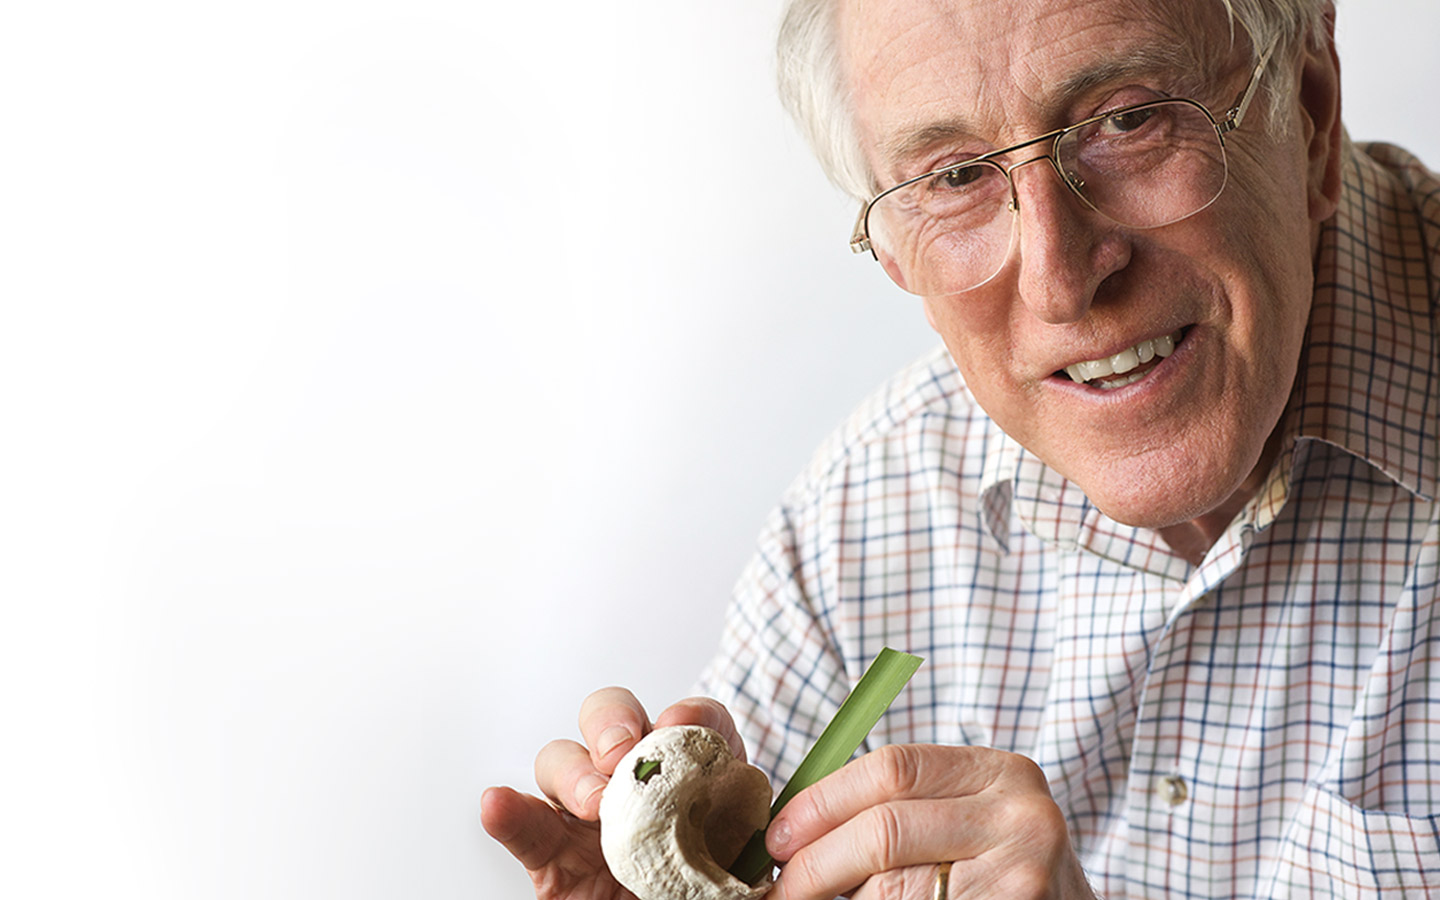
x,y
1147,60
910,144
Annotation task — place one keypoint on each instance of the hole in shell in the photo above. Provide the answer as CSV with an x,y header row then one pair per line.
x,y
646,769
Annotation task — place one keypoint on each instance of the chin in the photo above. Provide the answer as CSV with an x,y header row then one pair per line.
x,y
1160,497
1146,512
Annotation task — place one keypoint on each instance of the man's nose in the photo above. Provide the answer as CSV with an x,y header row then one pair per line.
x,y
1066,248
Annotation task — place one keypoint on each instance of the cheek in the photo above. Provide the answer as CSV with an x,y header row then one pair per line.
x,y
975,332
1268,208
985,316
982,340
1275,268
1256,243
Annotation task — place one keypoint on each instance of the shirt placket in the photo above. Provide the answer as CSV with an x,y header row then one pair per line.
x,y
1172,826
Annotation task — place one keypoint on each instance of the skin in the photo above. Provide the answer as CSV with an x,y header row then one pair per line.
x,y
1180,451
558,842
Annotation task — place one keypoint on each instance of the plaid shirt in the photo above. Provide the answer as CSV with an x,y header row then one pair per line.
x,y
1264,724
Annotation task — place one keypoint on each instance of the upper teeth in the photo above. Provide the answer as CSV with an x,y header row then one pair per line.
x,y
1123,361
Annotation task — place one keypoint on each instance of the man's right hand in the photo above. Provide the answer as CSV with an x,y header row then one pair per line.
x,y
558,842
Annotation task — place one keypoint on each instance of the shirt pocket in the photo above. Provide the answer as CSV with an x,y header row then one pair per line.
x,y
1332,848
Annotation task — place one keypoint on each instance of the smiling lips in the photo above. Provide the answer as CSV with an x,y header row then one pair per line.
x,y
1123,363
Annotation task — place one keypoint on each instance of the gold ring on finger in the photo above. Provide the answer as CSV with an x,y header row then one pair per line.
x,y
942,881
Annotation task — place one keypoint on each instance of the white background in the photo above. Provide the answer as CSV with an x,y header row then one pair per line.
x,y
379,378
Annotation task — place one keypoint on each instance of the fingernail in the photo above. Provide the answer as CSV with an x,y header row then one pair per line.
x,y
587,789
611,738
777,838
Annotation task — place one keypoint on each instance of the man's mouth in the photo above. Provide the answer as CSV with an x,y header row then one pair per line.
x,y
1126,367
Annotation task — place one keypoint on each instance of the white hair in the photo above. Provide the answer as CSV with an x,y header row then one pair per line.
x,y
813,85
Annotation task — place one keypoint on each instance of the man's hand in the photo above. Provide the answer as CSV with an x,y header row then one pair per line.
x,y
880,826
558,842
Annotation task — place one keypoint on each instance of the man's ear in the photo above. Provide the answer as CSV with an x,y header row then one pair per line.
x,y
1318,86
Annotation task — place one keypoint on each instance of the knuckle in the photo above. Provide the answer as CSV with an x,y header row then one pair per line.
x,y
1046,820
885,836
1034,818
1031,772
899,767
1023,770
1038,836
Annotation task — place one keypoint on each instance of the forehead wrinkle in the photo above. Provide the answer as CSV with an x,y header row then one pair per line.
x,y
1146,60
897,50
911,91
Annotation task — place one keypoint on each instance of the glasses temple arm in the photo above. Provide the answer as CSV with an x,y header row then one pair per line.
x,y
1236,114
859,241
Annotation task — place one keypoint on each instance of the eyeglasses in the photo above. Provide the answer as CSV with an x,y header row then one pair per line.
x,y
1142,166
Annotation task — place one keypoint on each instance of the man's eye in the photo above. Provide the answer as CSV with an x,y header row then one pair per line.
x,y
1126,122
954,179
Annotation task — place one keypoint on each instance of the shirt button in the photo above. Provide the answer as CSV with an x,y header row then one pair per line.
x,y
1172,790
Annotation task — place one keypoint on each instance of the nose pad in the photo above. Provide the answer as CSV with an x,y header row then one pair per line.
x,y
1065,248
1010,173
1071,180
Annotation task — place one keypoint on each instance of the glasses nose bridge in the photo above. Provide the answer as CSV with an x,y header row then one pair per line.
x,y
1048,156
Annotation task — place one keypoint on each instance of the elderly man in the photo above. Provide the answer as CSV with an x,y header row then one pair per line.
x,y
1162,517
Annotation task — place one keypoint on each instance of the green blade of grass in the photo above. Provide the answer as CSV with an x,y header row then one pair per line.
x,y
874,693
